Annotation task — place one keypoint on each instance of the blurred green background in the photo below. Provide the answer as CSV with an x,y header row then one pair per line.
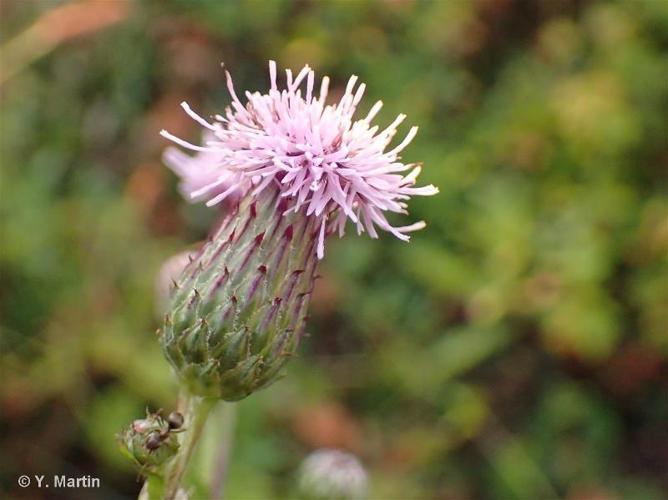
x,y
517,348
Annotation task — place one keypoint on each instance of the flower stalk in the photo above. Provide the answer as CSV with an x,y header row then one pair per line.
x,y
225,418
153,489
196,412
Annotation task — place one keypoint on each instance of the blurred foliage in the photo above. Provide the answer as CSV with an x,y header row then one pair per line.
x,y
516,348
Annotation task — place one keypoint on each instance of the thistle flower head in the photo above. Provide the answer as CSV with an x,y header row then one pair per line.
x,y
297,169
325,163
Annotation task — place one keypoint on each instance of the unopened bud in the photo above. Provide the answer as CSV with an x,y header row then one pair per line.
x,y
149,442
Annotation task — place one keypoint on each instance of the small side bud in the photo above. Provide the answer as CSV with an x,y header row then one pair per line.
x,y
149,443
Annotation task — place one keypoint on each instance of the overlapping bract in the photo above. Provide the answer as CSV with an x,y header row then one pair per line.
x,y
237,311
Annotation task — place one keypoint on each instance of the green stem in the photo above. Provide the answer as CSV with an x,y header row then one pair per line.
x,y
196,411
226,417
154,488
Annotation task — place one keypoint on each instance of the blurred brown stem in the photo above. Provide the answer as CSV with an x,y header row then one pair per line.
x,y
56,26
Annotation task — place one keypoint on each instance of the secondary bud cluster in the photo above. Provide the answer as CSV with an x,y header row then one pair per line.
x,y
151,442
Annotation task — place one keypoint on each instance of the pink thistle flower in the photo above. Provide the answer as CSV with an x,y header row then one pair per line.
x,y
321,161
298,169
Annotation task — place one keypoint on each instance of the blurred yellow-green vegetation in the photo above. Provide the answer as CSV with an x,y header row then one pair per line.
x,y
517,348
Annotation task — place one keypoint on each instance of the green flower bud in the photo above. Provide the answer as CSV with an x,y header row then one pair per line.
x,y
149,442
237,311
